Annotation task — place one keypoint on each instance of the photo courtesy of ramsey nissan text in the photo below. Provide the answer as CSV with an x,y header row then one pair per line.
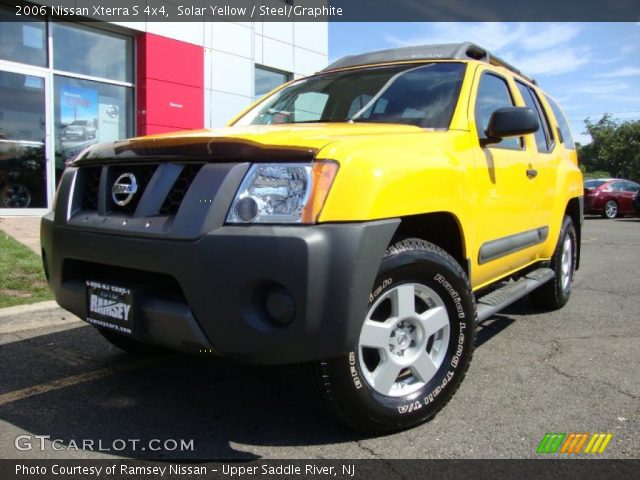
x,y
319,238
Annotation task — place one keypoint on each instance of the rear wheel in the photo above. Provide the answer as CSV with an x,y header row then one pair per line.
x,y
610,209
555,293
415,344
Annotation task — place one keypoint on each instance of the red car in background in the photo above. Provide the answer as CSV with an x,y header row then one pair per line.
x,y
610,197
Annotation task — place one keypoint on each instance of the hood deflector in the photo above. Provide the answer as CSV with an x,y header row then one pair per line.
x,y
186,149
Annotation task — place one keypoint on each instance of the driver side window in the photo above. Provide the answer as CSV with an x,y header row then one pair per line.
x,y
493,93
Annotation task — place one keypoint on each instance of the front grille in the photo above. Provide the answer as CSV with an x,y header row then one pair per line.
x,y
169,204
179,189
91,187
149,283
143,174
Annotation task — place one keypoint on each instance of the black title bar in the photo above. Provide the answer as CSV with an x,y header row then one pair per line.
x,y
325,10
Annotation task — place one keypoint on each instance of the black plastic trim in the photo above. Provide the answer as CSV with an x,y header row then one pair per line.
x,y
328,270
447,51
501,247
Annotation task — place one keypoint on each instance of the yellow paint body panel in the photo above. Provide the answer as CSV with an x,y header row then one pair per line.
x,y
392,170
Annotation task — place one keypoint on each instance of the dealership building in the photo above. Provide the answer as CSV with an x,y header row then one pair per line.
x,y
64,86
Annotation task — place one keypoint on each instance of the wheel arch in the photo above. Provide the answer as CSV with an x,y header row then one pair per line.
x,y
440,228
575,210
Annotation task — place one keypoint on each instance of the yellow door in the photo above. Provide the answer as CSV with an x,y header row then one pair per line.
x,y
508,229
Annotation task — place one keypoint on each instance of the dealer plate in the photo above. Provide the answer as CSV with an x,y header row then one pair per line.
x,y
110,306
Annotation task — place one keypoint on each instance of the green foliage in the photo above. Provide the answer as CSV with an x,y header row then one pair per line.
x,y
21,277
614,150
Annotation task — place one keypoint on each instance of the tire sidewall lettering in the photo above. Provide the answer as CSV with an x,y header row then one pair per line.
x,y
444,379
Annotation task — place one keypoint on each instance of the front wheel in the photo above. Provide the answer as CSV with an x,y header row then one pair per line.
x,y
415,343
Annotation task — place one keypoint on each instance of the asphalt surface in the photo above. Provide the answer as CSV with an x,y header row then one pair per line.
x,y
575,370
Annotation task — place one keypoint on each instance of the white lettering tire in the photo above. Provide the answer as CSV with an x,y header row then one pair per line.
x,y
414,348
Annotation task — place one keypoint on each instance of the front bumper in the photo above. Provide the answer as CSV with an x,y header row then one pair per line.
x,y
209,293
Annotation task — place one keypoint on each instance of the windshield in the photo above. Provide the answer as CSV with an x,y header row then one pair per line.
x,y
425,96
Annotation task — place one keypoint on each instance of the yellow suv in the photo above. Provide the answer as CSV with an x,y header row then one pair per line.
x,y
362,220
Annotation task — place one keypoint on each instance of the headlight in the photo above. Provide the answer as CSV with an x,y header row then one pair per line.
x,y
282,193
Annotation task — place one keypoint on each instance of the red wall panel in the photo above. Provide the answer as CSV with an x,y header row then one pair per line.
x,y
170,85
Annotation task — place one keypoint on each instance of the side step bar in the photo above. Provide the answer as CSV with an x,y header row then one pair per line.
x,y
493,302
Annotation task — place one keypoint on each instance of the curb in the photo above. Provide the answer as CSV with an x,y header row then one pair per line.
x,y
36,315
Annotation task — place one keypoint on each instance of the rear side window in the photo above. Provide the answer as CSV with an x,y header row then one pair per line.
x,y
563,126
493,93
631,187
544,139
594,183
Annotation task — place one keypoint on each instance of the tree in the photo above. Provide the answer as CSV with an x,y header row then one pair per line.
x,y
615,147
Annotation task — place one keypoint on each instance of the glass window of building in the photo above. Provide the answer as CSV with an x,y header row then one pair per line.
x,y
81,77
268,79
23,42
92,52
23,176
88,112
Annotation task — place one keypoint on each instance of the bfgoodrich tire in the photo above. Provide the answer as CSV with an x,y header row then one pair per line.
x,y
415,344
555,293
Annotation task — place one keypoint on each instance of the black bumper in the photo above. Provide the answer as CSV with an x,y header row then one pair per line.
x,y
210,293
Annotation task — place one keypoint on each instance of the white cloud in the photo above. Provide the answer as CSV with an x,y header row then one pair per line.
x,y
626,100
493,35
629,48
548,35
599,88
621,72
543,46
549,62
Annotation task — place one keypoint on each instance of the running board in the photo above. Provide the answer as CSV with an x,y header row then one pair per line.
x,y
501,298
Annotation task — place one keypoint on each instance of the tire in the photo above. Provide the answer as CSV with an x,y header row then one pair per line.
x,y
130,345
610,210
15,195
555,293
407,366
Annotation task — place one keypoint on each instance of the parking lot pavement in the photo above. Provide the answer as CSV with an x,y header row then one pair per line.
x,y
575,370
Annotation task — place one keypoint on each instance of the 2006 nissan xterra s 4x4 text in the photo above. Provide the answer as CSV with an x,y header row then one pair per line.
x,y
362,220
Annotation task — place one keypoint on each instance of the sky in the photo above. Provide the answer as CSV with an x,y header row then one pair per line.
x,y
588,68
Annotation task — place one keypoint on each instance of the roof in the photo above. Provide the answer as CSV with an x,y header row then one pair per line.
x,y
447,51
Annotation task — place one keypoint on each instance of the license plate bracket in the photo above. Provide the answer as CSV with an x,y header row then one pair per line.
x,y
111,306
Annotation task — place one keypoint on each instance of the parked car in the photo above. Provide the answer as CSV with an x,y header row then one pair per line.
x,y
80,130
362,220
609,197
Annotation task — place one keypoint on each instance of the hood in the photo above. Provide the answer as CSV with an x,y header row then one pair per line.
x,y
263,143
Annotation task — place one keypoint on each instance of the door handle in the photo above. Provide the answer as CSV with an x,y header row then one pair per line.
x,y
532,172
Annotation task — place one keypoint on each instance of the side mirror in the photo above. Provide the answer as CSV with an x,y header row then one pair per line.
x,y
510,122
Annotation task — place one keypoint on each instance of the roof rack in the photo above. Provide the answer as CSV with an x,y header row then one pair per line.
x,y
447,51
